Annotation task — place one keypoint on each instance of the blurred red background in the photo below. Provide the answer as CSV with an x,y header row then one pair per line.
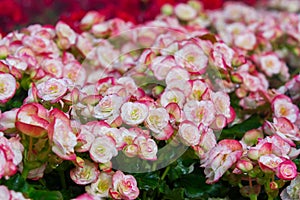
x,y
15,14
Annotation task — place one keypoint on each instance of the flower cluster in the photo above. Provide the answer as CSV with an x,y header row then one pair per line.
x,y
119,90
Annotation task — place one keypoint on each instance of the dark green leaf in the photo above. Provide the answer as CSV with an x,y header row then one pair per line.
x,y
147,181
237,131
177,194
19,184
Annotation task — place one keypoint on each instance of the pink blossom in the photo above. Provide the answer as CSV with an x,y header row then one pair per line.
x,y
85,174
245,41
64,139
8,119
100,188
53,67
85,196
90,18
177,73
287,170
108,107
284,129
189,133
245,165
106,54
161,66
283,107
192,57
67,37
101,30
269,162
220,158
6,194
8,86
185,12
84,139
157,119
131,150
32,120
124,186
270,64
37,44
75,72
134,113
292,191
147,148
222,55
199,89
103,149
200,112
221,103
11,154
52,90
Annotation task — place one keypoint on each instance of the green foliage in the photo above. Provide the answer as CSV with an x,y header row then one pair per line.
x,y
18,184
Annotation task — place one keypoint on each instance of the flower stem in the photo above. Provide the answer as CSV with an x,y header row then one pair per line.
x,y
62,179
30,148
253,197
165,173
25,171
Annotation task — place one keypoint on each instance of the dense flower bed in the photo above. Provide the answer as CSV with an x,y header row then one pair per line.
x,y
194,104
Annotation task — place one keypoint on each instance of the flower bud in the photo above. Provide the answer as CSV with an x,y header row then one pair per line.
x,y
244,165
251,136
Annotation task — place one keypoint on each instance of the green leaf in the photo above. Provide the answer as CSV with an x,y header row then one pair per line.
x,y
237,131
19,184
177,193
46,195
195,187
147,181
179,170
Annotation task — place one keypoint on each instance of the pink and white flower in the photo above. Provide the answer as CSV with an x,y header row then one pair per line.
x,y
221,103
287,170
85,173
52,89
10,155
172,96
8,86
75,72
8,119
90,18
64,139
66,36
108,106
220,158
185,12
6,194
200,112
192,57
282,106
147,148
189,133
32,120
269,162
124,186
103,149
53,67
157,119
134,113
270,64
100,188
245,41
222,55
